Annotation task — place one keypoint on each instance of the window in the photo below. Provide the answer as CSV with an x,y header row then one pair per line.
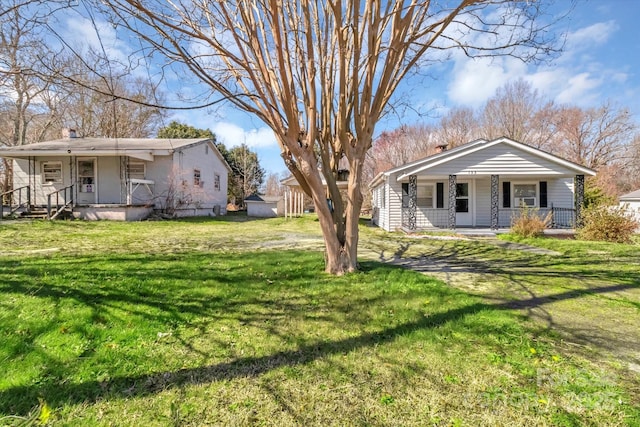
x,y
525,195
216,182
462,197
506,194
405,194
196,177
440,195
425,196
136,170
51,172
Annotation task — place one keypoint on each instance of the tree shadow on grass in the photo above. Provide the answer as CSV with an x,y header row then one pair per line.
x,y
65,392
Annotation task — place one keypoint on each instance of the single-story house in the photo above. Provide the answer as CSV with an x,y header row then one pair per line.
x,y
120,178
264,206
631,201
479,184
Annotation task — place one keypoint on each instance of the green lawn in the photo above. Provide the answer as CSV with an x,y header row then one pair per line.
x,y
232,322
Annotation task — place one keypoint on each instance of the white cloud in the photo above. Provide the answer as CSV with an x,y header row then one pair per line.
x,y
593,35
579,89
96,35
233,135
476,80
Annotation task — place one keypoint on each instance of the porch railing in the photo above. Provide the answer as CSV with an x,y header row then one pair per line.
x,y
15,199
63,199
558,217
439,218
427,218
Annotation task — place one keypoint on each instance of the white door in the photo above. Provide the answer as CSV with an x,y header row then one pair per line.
x,y
87,184
464,204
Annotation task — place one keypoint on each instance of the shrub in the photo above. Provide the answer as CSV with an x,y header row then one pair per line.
x,y
529,223
607,223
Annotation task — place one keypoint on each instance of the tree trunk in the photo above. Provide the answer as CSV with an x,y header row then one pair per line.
x,y
354,205
341,247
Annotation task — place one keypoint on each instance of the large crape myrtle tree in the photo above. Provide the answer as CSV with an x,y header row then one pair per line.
x,y
322,73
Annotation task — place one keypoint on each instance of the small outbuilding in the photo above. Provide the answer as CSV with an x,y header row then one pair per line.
x,y
264,206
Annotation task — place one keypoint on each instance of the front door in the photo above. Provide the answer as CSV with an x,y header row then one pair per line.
x,y
464,205
87,185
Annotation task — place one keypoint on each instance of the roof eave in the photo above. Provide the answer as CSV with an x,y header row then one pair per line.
x,y
138,154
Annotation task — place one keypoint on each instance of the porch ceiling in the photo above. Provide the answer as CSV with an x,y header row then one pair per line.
x,y
485,176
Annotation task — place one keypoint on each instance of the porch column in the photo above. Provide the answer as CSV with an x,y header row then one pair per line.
x,y
452,201
579,190
413,202
494,202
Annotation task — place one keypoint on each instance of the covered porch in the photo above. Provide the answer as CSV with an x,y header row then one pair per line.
x,y
490,202
101,186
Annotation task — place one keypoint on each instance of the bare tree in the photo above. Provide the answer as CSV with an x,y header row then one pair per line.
x,y
594,137
120,115
272,186
518,112
400,146
321,73
630,180
21,87
458,127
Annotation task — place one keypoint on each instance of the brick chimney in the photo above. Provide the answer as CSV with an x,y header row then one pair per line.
x,y
68,133
441,148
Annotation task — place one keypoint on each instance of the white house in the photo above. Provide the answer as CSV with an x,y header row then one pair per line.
x,y
120,179
479,184
631,202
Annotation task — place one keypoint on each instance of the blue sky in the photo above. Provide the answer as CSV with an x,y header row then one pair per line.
x,y
600,63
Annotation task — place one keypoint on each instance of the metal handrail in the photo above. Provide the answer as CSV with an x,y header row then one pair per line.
x,y
9,195
68,201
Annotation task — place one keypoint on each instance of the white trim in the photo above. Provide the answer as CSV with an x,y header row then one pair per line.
x,y
433,195
513,192
42,176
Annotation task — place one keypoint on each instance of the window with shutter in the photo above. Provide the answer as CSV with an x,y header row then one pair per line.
x,y
506,194
440,195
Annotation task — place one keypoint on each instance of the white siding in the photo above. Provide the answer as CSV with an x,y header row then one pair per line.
x,y
381,203
500,159
203,158
375,203
394,203
262,209
560,193
40,190
175,174
160,171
